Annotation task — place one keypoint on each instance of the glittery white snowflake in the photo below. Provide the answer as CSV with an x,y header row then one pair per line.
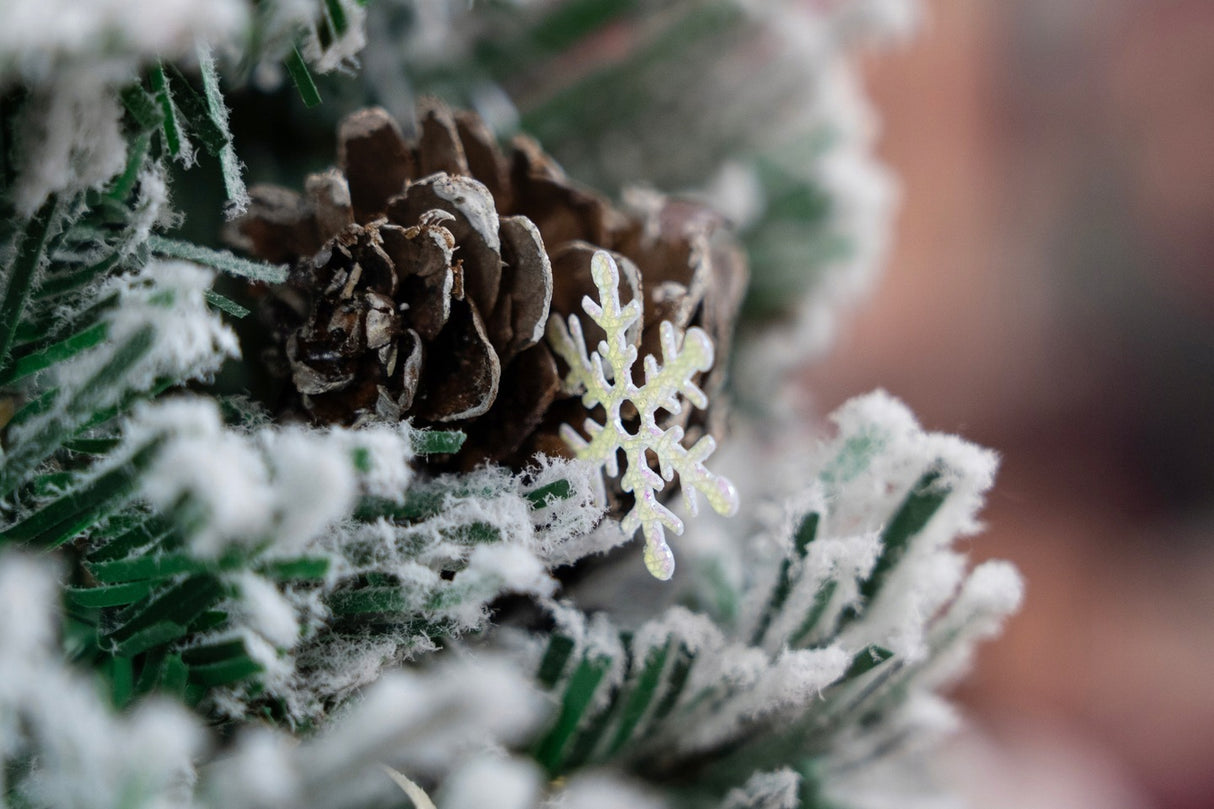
x,y
605,377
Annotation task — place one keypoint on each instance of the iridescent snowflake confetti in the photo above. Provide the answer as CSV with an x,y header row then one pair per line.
x,y
605,377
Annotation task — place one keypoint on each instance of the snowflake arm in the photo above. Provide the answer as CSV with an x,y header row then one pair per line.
x,y
605,378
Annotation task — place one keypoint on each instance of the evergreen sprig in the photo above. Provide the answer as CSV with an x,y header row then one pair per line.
x,y
326,601
819,676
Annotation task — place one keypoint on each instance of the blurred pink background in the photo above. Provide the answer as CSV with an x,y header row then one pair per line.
x,y
1051,295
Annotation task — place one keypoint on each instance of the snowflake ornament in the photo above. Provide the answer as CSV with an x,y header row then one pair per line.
x,y
605,378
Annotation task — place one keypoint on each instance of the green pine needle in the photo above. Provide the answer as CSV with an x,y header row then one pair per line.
x,y
337,16
178,606
193,107
916,510
60,521
142,107
115,595
302,77
579,694
301,569
66,281
221,260
226,305
806,530
174,138
676,681
159,634
224,672
556,657
865,661
437,442
818,609
64,349
30,254
149,567
137,152
369,600
644,689
546,495
233,180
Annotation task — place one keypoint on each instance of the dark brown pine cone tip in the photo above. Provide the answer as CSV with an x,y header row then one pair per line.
x,y
423,273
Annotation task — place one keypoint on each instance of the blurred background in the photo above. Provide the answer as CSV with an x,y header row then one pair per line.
x,y
1050,294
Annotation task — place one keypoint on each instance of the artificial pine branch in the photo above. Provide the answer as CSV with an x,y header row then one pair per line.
x,y
339,597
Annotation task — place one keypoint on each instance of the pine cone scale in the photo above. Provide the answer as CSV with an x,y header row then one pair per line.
x,y
279,226
522,309
376,161
423,256
461,371
485,161
329,195
440,149
474,226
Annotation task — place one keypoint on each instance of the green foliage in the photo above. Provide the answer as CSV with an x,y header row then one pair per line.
x,y
138,600
684,705
689,703
143,601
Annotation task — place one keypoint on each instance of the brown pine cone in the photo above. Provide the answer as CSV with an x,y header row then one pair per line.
x,y
423,273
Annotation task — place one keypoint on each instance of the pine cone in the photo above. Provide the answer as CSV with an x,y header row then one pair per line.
x,y
424,272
